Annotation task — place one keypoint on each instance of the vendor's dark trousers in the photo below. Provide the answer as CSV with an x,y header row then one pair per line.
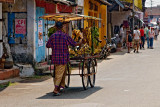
x,y
143,42
156,37
151,42
148,43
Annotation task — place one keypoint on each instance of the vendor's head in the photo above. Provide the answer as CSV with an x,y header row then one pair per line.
x,y
128,31
121,25
59,25
142,27
152,28
136,27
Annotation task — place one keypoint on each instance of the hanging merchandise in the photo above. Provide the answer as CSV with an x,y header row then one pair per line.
x,y
76,35
95,35
87,34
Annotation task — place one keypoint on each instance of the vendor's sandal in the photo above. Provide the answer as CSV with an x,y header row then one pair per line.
x,y
56,94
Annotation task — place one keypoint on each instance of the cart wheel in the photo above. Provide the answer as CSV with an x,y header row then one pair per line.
x,y
67,78
92,76
95,61
85,80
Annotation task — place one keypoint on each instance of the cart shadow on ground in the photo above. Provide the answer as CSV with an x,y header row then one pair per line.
x,y
72,93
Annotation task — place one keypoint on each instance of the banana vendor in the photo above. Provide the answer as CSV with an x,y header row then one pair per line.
x,y
59,42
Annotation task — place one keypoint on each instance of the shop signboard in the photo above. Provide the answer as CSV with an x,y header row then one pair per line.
x,y
40,33
20,26
8,1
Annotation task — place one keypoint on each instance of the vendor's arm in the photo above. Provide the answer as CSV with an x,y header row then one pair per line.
x,y
72,42
49,43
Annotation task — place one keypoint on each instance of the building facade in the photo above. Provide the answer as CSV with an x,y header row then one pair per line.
x,y
26,31
97,9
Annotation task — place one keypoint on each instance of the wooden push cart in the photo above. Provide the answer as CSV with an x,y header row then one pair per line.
x,y
87,63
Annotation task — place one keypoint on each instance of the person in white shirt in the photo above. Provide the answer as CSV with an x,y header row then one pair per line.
x,y
151,37
136,37
156,33
121,33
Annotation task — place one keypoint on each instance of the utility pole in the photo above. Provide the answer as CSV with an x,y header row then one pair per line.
x,y
133,18
151,8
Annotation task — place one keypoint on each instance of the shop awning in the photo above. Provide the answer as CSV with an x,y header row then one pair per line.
x,y
66,17
119,3
141,21
115,5
65,2
104,2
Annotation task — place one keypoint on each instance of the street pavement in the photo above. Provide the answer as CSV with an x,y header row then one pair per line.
x,y
123,80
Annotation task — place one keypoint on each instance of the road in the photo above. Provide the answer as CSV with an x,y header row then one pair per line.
x,y
123,80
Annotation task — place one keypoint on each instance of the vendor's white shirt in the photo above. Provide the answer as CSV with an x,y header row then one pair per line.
x,y
151,34
121,32
156,31
137,34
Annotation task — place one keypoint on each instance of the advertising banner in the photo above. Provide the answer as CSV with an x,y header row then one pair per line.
x,y
40,33
20,26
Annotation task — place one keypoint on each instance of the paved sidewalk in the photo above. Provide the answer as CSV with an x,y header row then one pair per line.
x,y
123,80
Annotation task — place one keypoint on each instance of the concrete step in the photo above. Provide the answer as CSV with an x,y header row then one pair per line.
x,y
43,68
9,73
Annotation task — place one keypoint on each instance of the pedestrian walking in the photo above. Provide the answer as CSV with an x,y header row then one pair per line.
x,y
59,42
145,31
136,37
147,36
142,37
156,33
151,37
129,40
121,35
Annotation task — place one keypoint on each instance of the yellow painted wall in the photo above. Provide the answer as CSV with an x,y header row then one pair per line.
x,y
138,3
102,9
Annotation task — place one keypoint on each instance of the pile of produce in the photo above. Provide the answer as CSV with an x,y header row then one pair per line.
x,y
87,38
79,51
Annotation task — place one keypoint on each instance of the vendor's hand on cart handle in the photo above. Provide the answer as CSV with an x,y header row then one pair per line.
x,y
79,43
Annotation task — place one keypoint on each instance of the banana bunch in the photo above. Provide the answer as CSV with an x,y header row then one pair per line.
x,y
84,49
71,51
97,51
76,35
87,34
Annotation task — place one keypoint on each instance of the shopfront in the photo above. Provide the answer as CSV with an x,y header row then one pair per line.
x,y
98,9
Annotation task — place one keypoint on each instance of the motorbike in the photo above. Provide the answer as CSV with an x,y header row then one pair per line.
x,y
113,44
106,50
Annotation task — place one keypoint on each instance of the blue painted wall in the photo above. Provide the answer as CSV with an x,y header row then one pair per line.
x,y
11,28
11,18
40,51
